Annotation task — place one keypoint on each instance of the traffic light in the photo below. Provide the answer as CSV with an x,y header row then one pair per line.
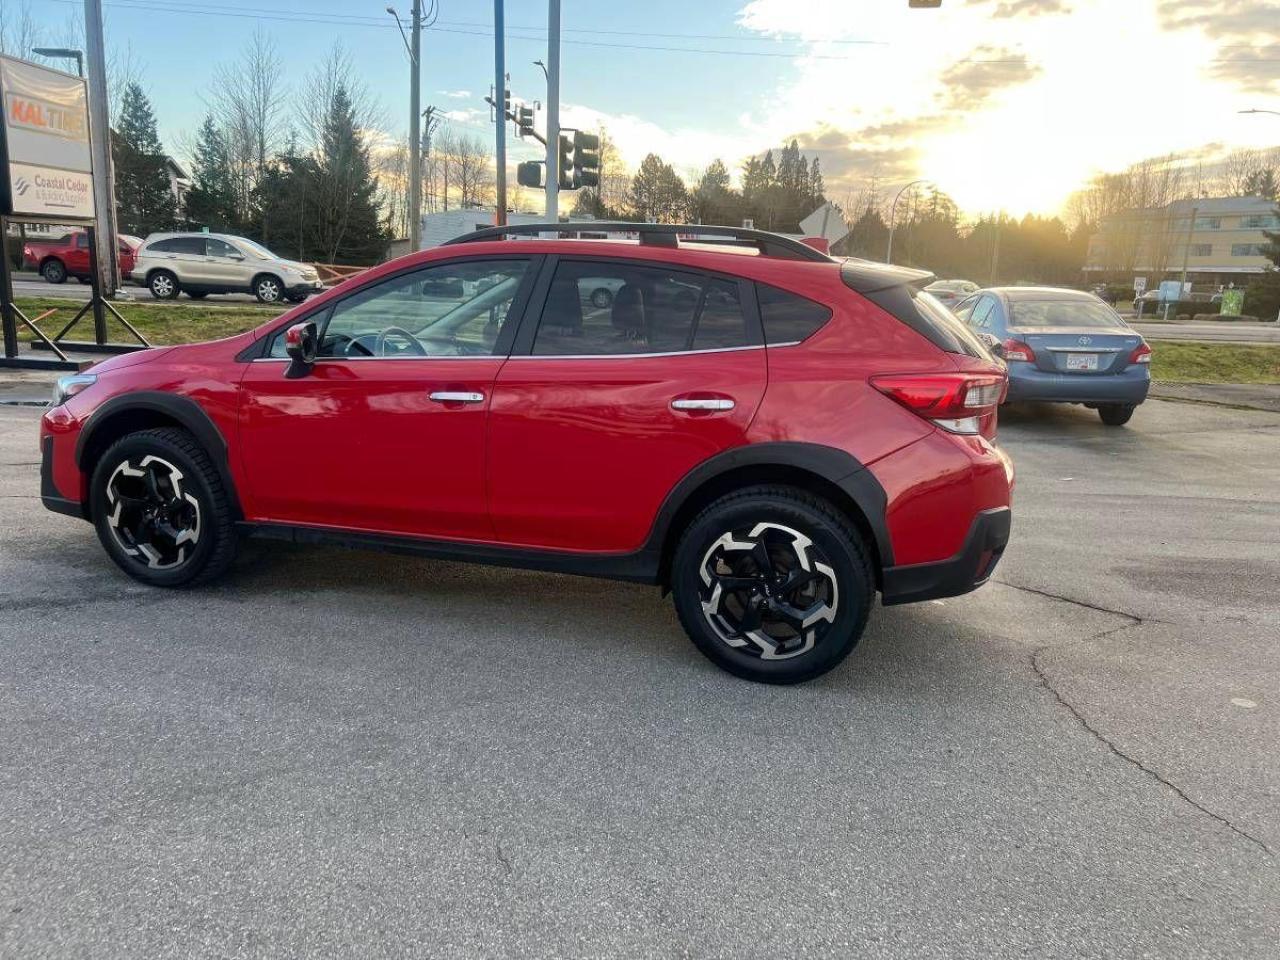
x,y
529,174
565,166
506,104
586,160
524,120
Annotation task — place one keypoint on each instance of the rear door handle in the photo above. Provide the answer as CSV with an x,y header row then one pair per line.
x,y
456,396
709,403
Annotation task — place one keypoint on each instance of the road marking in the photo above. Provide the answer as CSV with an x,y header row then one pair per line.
x,y
1242,702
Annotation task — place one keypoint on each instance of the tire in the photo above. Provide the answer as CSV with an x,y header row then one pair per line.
x,y
54,271
602,298
197,294
163,285
164,470
785,522
268,288
1116,414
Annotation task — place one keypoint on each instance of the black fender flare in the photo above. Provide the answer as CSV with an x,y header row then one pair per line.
x,y
185,411
833,465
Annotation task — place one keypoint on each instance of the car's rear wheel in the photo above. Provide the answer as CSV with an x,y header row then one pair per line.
x,y
163,285
1116,414
161,510
53,271
772,584
268,289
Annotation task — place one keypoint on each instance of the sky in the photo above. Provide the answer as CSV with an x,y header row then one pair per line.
x,y
1004,104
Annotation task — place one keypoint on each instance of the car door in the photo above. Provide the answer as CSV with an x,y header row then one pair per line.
x,y
386,432
223,265
601,410
78,256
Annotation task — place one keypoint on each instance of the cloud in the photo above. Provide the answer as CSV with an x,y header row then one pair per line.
x,y
456,94
1247,33
1007,9
968,84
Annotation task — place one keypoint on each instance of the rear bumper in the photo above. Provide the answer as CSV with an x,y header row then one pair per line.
x,y
967,570
1131,386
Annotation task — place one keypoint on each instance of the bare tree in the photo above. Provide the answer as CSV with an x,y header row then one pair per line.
x,y
393,186
248,104
19,30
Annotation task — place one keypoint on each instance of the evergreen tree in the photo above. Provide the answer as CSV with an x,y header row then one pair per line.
x,y
144,198
211,202
713,200
658,195
817,189
348,228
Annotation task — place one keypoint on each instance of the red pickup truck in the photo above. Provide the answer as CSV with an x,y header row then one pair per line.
x,y
68,256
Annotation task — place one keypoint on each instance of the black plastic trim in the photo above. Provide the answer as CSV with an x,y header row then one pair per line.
x,y
50,495
836,466
182,409
869,276
988,535
638,567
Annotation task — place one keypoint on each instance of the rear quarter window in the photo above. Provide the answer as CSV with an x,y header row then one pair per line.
x,y
789,317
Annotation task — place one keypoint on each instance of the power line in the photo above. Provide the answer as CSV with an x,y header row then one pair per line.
x,y
286,16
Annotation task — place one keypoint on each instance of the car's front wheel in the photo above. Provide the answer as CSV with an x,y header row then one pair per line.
x,y
161,510
772,584
1116,414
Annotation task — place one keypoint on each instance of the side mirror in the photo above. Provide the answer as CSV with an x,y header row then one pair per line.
x,y
302,343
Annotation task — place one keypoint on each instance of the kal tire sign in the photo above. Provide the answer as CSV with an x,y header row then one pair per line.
x,y
45,167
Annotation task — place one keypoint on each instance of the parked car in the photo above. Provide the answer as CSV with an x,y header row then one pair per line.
x,y
68,256
203,263
1063,346
773,437
951,292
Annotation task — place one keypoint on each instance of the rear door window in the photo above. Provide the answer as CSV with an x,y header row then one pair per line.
x,y
595,308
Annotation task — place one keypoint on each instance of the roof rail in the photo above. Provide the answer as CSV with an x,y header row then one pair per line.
x,y
660,235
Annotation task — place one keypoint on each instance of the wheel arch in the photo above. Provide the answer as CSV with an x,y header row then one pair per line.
x,y
263,274
51,258
146,410
835,476
154,270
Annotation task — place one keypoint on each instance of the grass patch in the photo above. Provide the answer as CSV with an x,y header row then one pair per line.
x,y
1178,362
164,324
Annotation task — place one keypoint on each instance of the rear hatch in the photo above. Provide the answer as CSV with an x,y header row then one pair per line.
x,y
1078,350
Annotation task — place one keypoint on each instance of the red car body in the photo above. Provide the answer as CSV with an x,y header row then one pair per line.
x,y
581,463
72,254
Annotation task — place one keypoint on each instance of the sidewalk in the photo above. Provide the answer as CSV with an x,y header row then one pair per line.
x,y
1258,396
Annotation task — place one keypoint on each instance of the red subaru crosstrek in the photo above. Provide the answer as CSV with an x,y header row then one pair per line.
x,y
771,434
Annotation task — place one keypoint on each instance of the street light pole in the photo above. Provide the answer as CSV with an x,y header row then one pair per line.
x,y
553,111
893,216
500,95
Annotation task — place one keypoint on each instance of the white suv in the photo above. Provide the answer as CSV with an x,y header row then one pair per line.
x,y
199,264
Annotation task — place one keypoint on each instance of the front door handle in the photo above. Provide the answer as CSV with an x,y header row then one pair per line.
x,y
709,403
456,396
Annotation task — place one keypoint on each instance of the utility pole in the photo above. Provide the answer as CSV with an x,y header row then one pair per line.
x,y
1186,250
415,135
500,95
429,122
553,111
104,193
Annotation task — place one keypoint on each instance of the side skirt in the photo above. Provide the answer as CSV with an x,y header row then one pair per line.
x,y
638,567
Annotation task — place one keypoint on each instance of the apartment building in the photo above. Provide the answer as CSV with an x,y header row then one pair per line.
x,y
1221,240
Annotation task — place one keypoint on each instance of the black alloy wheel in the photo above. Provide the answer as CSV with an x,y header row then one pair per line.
x,y
773,584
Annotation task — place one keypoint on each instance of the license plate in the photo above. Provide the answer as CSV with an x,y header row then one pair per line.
x,y
1082,361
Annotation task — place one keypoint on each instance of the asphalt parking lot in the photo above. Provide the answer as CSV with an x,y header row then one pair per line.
x,y
345,754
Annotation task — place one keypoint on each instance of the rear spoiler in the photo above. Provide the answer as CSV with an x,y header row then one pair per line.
x,y
868,276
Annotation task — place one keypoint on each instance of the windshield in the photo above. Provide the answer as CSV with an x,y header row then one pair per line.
x,y
1062,313
262,253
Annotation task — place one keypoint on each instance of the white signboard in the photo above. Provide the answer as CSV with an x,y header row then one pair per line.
x,y
1139,285
44,143
827,221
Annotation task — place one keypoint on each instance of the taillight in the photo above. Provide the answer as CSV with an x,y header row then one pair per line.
x,y
1141,354
958,402
1019,351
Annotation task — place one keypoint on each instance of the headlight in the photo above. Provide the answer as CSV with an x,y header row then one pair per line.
x,y
68,386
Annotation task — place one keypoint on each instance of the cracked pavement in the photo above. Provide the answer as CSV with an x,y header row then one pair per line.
x,y
345,754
